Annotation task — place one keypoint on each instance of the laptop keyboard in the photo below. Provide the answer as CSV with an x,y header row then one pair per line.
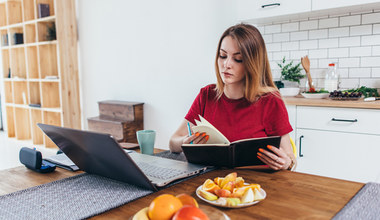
x,y
159,172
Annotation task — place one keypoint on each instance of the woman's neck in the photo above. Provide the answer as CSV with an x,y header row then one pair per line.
x,y
234,91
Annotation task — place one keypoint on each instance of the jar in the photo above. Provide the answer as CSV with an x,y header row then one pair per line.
x,y
331,78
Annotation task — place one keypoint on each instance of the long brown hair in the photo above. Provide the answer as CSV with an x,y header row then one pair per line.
x,y
258,76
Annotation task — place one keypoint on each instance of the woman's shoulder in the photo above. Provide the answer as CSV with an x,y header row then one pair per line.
x,y
274,96
209,89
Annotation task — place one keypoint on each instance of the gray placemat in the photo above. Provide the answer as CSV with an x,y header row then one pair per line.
x,y
364,205
76,197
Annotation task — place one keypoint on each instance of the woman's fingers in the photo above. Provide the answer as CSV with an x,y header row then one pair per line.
x,y
201,138
275,159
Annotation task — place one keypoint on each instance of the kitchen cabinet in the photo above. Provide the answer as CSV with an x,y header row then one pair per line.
x,y
328,4
338,142
248,9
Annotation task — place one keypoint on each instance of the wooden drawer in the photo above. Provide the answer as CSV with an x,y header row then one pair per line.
x,y
366,121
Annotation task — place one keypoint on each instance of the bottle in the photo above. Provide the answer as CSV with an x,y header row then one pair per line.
x,y
332,78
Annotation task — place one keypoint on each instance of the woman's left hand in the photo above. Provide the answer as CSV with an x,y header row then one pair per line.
x,y
276,158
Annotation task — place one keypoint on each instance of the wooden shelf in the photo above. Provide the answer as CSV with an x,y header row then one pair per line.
x,y
39,69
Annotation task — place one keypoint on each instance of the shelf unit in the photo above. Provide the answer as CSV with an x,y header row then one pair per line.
x,y
39,68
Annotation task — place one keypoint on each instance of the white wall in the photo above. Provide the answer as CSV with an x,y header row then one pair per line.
x,y
352,40
157,52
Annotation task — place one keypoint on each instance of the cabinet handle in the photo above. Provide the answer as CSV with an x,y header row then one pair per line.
x,y
300,151
344,120
270,5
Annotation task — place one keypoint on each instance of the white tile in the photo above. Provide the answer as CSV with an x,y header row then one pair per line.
x,y
261,29
320,53
376,51
308,44
370,61
293,45
328,23
268,38
270,55
349,62
324,63
361,30
308,25
376,29
281,37
297,54
289,27
371,40
299,35
371,18
338,53
272,47
318,34
343,72
370,82
328,43
339,32
360,51
270,29
280,55
349,20
274,66
349,83
375,72
359,72
349,41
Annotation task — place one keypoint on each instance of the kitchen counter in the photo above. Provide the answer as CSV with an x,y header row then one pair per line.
x,y
300,100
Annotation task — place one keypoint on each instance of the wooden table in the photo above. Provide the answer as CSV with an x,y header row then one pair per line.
x,y
290,195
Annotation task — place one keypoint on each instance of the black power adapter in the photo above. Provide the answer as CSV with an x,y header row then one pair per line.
x,y
32,159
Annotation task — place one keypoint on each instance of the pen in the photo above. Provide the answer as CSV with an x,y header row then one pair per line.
x,y
188,126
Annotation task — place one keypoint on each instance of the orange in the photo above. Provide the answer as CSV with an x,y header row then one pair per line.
x,y
190,213
186,199
231,177
163,207
218,180
210,186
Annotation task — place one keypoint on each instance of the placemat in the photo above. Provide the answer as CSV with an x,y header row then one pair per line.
x,y
77,197
364,205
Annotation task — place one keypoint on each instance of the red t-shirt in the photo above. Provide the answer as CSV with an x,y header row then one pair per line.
x,y
241,119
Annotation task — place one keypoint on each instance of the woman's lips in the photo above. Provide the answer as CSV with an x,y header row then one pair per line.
x,y
226,74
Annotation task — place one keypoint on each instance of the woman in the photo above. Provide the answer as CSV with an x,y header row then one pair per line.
x,y
244,103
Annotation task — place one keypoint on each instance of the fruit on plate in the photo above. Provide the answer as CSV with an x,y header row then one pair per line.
x,y
186,199
190,213
248,196
207,195
232,190
142,214
164,207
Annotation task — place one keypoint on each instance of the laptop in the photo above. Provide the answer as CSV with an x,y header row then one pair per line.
x,y
100,154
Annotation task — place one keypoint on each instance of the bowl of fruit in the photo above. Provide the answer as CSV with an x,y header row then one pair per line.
x,y
230,191
180,207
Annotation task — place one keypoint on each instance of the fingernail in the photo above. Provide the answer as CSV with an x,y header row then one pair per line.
x,y
259,154
197,134
259,157
261,150
269,147
204,134
207,137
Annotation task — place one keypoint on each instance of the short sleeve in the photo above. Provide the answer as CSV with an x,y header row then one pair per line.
x,y
275,117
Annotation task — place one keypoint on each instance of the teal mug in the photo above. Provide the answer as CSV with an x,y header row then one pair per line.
x,y
146,140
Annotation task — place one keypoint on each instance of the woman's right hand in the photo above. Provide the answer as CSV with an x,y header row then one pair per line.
x,y
197,138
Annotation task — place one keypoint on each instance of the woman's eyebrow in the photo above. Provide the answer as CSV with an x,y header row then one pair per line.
x,y
237,53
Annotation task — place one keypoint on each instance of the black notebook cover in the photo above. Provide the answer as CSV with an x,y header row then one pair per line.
x,y
237,154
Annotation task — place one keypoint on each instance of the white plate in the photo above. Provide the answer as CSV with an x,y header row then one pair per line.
x,y
238,206
315,95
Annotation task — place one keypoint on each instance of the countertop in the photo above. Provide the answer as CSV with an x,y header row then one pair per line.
x,y
300,100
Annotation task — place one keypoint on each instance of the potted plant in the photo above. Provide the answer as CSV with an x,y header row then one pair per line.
x,y
290,76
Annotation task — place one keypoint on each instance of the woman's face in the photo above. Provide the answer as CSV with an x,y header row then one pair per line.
x,y
231,68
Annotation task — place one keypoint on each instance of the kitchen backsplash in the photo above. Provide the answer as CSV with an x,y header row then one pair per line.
x,y
350,40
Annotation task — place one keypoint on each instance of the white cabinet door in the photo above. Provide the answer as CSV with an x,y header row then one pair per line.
x,y
255,9
339,155
328,4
